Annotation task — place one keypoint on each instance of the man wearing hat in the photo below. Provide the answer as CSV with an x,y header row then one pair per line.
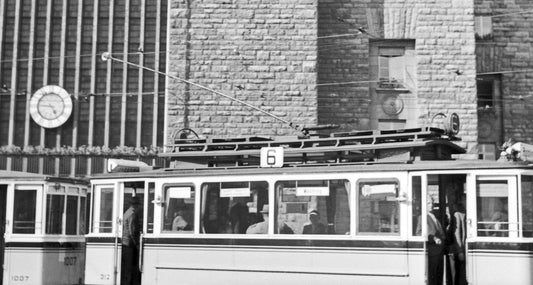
x,y
130,244
262,227
315,226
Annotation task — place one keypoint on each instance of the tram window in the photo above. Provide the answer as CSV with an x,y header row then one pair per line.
x,y
527,206
150,213
83,215
378,207
492,208
106,210
416,206
55,206
232,207
313,207
24,212
72,215
178,210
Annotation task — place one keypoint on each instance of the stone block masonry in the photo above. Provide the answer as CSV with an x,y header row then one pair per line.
x,y
263,52
507,55
443,35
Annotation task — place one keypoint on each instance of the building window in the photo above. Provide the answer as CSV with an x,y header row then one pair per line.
x,y
485,93
396,63
486,151
483,27
489,112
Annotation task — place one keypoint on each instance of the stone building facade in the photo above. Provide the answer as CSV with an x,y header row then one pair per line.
x,y
504,49
358,64
262,52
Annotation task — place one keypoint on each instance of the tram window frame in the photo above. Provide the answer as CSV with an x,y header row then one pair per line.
x,y
55,209
526,205
72,211
395,228
82,211
324,201
416,205
98,226
68,221
22,209
236,209
499,223
188,212
150,207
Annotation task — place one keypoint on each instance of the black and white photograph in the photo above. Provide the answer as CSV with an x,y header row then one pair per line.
x,y
266,142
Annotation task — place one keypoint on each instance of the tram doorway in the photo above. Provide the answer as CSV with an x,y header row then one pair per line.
x,y
3,204
130,267
446,206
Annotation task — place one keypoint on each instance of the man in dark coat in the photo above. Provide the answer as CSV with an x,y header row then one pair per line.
x,y
130,244
435,246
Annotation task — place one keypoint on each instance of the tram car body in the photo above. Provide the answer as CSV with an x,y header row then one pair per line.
x,y
197,222
42,227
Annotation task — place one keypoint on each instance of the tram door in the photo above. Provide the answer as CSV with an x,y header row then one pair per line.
x,y
3,194
447,204
130,272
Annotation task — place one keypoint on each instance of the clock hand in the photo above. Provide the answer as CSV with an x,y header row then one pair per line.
x,y
52,107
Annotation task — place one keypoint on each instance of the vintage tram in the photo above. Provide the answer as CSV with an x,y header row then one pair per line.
x,y
42,227
369,190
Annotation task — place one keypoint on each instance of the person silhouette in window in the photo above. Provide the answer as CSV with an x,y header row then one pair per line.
x,y
314,226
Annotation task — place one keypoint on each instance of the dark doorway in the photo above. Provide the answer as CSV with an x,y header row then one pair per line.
x,y
3,194
130,273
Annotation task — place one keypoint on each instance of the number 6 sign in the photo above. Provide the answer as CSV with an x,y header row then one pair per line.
x,y
272,157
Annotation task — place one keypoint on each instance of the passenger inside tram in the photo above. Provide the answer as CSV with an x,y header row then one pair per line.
x,y
314,226
262,227
238,219
180,223
499,218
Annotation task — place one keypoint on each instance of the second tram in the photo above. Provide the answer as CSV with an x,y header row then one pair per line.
x,y
42,227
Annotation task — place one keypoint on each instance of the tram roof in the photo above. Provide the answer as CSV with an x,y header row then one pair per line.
x,y
28,176
439,165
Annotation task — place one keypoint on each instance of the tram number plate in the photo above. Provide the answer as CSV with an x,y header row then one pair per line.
x,y
69,260
20,278
271,157
105,276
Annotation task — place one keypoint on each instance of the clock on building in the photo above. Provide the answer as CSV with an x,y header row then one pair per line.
x,y
50,106
392,105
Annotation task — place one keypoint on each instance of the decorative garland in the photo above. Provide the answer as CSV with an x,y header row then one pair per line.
x,y
118,151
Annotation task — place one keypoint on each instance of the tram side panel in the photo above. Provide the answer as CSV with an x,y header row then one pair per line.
x,y
101,262
26,265
275,262
492,268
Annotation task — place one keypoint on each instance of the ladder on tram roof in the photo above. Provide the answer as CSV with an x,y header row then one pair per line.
x,y
402,144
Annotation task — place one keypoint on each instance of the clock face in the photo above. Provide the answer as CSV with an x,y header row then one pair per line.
x,y
392,105
50,106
